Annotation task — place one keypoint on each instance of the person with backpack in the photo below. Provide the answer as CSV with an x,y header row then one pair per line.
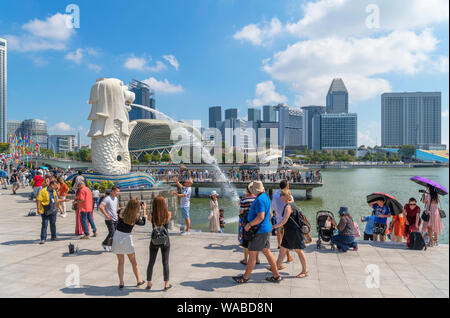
x,y
293,236
346,227
15,182
159,217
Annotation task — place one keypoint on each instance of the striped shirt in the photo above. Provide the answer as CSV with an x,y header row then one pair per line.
x,y
246,203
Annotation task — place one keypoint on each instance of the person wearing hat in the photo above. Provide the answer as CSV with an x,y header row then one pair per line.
x,y
346,237
259,217
214,225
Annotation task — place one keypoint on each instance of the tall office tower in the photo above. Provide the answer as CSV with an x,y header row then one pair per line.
x,y
308,114
290,126
215,115
36,128
337,97
269,114
145,96
411,119
254,114
338,131
231,113
3,87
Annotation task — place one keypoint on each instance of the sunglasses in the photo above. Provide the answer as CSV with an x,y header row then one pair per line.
x,y
412,204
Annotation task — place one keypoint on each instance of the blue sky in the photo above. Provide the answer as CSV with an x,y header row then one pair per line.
x,y
201,53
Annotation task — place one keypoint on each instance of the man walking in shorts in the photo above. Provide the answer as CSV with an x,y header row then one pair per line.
x,y
185,202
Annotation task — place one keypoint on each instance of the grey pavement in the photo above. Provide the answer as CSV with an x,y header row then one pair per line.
x,y
201,265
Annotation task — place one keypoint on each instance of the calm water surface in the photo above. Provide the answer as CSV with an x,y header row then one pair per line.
x,y
342,187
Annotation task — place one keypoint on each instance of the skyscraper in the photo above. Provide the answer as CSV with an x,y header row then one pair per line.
x,y
145,96
3,86
337,97
338,131
411,118
254,114
308,114
231,113
215,115
37,129
269,113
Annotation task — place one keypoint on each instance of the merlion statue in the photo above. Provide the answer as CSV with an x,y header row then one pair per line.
x,y
110,128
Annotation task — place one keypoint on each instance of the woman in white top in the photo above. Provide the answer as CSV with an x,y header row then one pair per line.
x,y
214,224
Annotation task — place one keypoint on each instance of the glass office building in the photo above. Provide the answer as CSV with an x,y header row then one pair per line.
x,y
308,114
145,96
411,119
338,131
254,114
215,115
337,97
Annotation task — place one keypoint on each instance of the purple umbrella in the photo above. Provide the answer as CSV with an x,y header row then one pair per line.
x,y
427,182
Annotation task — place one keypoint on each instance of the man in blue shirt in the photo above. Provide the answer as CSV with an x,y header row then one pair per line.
x,y
259,216
382,212
4,178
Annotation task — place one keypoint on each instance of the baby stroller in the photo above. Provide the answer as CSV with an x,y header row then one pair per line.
x,y
324,229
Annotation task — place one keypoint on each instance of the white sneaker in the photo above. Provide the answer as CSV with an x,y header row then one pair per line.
x,y
64,215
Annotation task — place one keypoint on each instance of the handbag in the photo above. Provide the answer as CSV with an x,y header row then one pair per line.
x,y
442,214
251,234
50,209
425,216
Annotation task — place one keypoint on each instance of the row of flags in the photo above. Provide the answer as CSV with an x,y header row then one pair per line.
x,y
22,149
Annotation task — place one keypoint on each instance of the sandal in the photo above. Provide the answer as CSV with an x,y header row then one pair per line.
x,y
240,279
167,288
243,262
121,287
258,263
274,279
140,284
303,274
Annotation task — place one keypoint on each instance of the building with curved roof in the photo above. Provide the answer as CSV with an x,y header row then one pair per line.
x,y
160,136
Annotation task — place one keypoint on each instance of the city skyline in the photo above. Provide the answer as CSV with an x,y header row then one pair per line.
x,y
254,59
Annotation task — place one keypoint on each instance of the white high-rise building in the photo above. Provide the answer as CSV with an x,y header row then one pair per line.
x,y
3,82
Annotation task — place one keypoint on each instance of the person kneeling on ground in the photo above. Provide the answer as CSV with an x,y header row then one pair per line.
x,y
345,239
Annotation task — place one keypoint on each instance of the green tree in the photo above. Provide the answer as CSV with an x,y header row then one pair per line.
x,y
4,147
147,158
157,157
166,158
84,155
407,151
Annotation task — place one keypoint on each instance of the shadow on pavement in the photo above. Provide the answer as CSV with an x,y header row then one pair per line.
x,y
89,290
214,284
29,242
83,252
234,248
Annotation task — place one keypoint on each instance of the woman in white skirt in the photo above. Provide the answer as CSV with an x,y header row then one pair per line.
x,y
123,241
214,224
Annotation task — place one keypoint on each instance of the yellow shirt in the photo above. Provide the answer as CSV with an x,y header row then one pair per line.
x,y
44,197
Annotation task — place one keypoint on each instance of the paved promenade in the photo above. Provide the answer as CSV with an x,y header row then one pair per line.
x,y
202,265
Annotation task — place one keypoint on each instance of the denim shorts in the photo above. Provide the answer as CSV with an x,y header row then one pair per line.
x,y
185,212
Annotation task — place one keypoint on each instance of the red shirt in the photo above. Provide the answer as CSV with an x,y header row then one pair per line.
x,y
87,204
411,214
38,180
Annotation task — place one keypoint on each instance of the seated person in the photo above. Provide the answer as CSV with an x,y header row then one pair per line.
x,y
346,237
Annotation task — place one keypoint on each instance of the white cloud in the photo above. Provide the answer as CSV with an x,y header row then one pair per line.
x,y
309,66
94,67
140,64
164,87
442,64
41,35
368,135
76,56
266,95
366,17
257,35
61,127
172,61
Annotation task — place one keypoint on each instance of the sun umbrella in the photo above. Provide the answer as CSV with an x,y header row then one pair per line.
x,y
425,182
391,202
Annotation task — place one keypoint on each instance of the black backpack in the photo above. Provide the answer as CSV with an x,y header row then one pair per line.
x,y
416,241
160,237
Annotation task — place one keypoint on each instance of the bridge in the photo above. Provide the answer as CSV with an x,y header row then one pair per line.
x,y
270,186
